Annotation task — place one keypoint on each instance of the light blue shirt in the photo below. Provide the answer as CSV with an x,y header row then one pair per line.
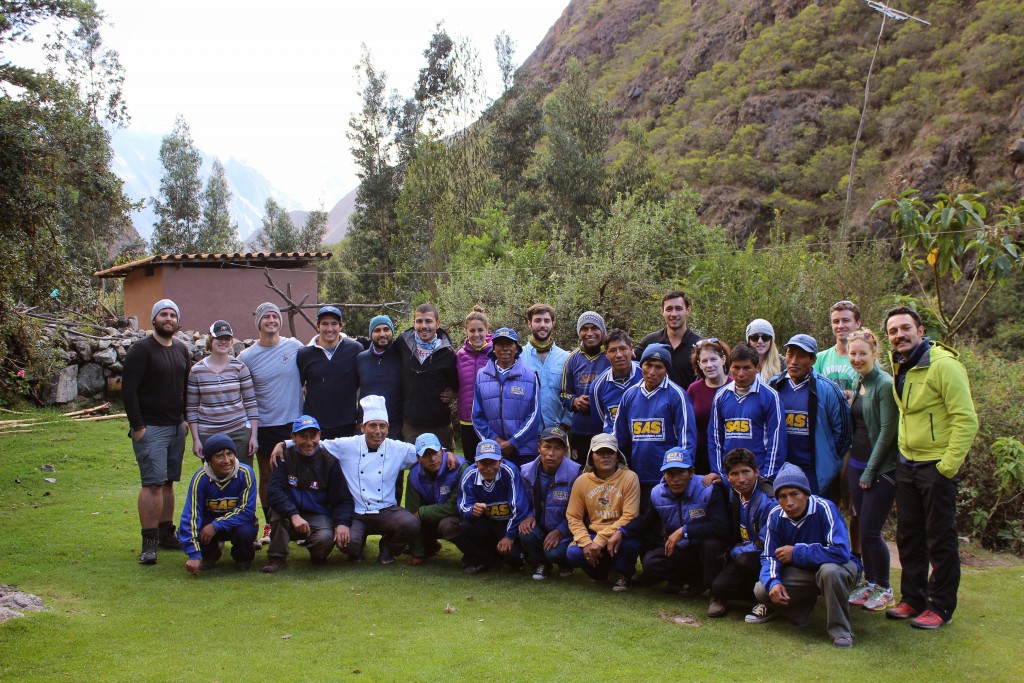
x,y
549,372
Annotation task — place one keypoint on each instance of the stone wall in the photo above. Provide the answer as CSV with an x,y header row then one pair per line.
x,y
93,365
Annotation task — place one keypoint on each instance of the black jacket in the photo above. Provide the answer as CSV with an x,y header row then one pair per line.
x,y
422,383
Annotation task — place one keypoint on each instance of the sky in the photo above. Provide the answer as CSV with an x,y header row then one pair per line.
x,y
273,84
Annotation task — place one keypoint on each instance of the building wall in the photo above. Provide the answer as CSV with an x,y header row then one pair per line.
x,y
207,294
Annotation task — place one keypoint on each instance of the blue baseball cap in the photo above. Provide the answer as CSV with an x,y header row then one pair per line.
x,y
328,310
509,334
427,442
488,450
805,342
657,352
305,422
676,458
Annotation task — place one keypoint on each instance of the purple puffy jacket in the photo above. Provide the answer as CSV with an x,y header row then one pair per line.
x,y
469,361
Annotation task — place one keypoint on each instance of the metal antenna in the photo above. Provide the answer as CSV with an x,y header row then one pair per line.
x,y
887,13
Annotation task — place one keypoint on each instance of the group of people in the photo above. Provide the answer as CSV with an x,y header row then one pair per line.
x,y
717,468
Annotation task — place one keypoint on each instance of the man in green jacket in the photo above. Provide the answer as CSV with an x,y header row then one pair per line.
x,y
937,425
432,496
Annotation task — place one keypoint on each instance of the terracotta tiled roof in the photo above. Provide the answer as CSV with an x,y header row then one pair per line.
x,y
276,258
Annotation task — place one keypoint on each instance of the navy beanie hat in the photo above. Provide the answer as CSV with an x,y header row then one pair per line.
x,y
216,443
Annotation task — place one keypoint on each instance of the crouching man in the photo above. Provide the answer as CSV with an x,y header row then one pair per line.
x,y
548,481
806,553
689,522
432,496
309,499
605,497
492,504
220,506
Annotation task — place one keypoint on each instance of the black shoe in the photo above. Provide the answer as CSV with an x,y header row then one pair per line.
x,y
243,565
169,539
432,550
476,568
148,554
385,556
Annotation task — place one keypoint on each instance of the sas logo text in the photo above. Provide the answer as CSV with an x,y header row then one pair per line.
x,y
648,429
796,423
738,428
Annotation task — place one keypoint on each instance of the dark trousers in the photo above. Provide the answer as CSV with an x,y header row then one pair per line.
x,y
449,528
533,546
872,507
926,535
469,442
319,540
480,536
579,447
241,539
624,561
695,566
737,579
397,526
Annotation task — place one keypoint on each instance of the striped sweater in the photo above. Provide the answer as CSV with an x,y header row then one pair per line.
x,y
220,402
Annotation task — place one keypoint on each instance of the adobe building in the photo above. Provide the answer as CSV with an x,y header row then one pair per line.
x,y
208,287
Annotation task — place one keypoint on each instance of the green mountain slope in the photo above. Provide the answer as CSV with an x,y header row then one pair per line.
x,y
756,103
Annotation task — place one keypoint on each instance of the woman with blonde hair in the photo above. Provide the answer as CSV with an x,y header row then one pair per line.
x,y
469,359
761,335
872,466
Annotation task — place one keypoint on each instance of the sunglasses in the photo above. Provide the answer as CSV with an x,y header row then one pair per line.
x,y
709,340
760,338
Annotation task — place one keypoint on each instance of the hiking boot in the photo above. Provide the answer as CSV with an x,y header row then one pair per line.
x,y
860,594
929,620
274,565
760,614
717,608
621,584
880,598
148,554
169,539
541,572
901,611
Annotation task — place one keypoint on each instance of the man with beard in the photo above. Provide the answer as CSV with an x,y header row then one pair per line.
x,y
380,370
544,357
675,309
153,385
275,377
430,377
583,366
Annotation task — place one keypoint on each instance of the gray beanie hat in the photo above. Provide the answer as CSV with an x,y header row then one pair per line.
x,y
165,303
760,326
263,309
592,318
791,475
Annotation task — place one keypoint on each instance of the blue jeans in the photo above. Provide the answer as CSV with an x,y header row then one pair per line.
x,y
533,547
624,561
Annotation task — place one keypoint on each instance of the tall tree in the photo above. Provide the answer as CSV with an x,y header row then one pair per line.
x,y
178,209
505,49
217,232
577,127
277,233
311,235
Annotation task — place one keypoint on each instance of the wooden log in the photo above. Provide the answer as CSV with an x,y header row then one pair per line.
x,y
15,423
12,412
100,418
87,411
16,431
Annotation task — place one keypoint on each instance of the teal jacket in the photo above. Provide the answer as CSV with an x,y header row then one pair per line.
x,y
881,418
937,416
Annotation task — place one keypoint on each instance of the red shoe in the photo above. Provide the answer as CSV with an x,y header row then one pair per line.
x,y
901,611
929,620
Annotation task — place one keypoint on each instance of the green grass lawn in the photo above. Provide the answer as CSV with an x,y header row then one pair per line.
x,y
112,619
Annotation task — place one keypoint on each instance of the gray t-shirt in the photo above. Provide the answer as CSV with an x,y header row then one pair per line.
x,y
275,377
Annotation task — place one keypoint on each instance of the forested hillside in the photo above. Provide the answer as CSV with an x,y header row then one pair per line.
x,y
756,103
